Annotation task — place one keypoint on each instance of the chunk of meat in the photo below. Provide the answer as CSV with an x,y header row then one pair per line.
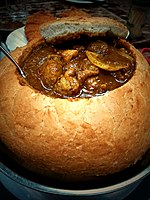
x,y
87,70
85,64
99,47
68,85
92,83
49,72
69,54
70,72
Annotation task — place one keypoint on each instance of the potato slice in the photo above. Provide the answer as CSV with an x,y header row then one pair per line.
x,y
112,62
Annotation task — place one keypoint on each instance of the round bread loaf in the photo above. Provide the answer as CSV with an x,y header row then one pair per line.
x,y
75,138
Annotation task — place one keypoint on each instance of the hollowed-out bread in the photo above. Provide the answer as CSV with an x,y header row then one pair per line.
x,y
75,138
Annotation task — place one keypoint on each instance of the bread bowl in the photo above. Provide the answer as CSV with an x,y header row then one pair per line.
x,y
75,138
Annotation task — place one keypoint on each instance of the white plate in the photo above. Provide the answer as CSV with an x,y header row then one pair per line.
x,y
16,39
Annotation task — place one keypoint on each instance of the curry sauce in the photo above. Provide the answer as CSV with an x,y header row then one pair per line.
x,y
84,67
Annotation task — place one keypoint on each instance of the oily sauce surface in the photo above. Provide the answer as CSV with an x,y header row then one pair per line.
x,y
83,68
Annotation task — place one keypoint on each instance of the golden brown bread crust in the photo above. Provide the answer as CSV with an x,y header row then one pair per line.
x,y
34,22
73,11
76,138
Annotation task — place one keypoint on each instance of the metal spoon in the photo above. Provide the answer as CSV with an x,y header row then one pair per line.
x,y
11,58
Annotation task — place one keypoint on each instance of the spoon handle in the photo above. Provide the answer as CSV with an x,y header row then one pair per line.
x,y
11,58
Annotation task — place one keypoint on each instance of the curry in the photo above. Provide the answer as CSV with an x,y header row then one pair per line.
x,y
84,67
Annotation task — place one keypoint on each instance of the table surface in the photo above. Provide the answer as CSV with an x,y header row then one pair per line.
x,y
104,8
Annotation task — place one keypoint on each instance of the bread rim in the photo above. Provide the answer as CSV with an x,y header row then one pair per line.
x,y
75,138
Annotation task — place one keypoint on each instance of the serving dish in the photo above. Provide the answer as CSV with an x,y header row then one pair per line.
x,y
16,39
